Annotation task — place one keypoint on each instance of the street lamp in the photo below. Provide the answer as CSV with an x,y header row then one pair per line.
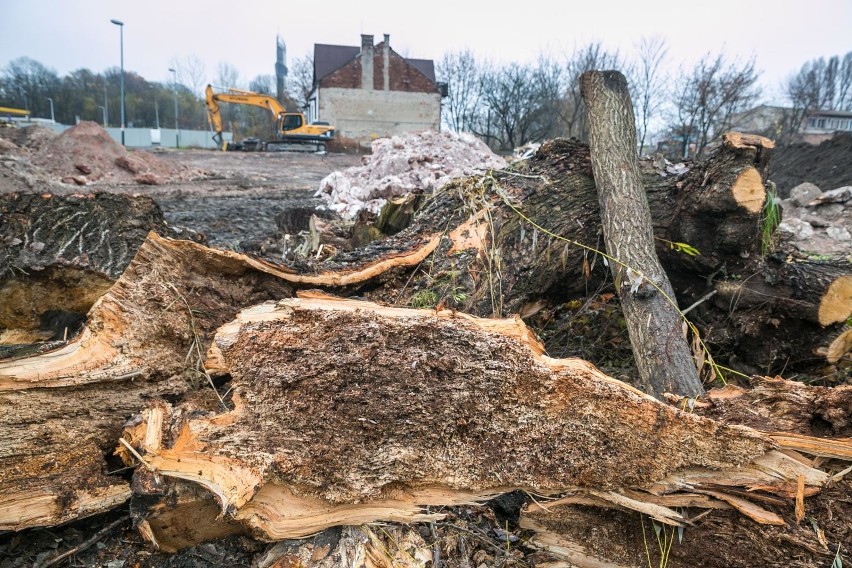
x,y
177,130
103,108
120,24
52,117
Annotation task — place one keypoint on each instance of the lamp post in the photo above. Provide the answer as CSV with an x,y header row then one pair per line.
x,y
120,24
52,116
103,108
106,106
174,86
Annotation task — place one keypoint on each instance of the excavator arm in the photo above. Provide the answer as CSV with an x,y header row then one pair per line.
x,y
290,126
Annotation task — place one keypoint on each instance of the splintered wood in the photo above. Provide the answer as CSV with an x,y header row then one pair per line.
x,y
347,412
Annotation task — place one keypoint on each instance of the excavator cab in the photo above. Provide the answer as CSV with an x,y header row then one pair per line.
x,y
291,121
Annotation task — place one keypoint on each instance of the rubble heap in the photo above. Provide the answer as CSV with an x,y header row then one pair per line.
x,y
403,164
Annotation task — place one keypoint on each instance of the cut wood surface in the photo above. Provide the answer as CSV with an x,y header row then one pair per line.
x,y
141,340
348,412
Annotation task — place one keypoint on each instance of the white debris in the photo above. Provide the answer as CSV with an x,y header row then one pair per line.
x,y
796,227
804,193
839,195
424,161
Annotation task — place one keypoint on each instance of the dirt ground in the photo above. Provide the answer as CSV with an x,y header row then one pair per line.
x,y
238,201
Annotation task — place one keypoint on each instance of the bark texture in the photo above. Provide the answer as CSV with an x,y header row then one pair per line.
x,y
660,350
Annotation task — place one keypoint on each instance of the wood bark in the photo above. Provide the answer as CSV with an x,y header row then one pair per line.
x,y
58,254
660,350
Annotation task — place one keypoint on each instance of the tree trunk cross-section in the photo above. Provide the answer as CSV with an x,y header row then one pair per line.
x,y
661,352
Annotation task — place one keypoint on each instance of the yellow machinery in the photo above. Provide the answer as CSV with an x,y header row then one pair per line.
x,y
6,113
292,131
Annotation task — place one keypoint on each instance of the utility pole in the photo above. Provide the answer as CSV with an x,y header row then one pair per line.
x,y
174,86
120,24
52,116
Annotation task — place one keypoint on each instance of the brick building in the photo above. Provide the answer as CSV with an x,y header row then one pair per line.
x,y
371,91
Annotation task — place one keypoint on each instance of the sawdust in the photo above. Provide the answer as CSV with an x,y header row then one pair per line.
x,y
414,162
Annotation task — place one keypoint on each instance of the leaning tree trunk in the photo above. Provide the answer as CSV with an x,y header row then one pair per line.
x,y
660,349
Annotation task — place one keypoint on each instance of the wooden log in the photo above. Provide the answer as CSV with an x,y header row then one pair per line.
x,y
660,350
144,338
349,412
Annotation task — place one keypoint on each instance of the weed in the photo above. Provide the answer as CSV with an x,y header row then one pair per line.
x,y
665,540
769,220
424,299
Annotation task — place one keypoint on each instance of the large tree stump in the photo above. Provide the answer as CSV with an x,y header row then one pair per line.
x,y
660,350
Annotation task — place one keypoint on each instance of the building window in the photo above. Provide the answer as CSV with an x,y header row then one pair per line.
x,y
821,123
812,122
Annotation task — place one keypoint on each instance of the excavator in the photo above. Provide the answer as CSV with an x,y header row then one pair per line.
x,y
293,133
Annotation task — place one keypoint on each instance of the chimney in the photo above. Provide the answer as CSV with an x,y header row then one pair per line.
x,y
386,61
367,62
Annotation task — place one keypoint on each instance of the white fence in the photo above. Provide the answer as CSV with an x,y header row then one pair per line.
x,y
149,137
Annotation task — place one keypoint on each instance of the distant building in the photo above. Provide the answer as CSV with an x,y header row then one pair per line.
x,y
773,122
371,91
280,69
766,120
822,125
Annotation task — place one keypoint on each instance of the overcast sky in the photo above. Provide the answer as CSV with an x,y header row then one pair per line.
x,y
66,35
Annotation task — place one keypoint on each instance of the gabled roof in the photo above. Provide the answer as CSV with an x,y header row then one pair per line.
x,y
329,58
425,66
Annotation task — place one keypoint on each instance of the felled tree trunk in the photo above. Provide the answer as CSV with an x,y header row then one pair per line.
x,y
654,323
144,338
576,529
348,412
343,412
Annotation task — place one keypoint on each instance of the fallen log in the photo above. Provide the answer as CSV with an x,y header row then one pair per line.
x,y
389,410
144,338
543,424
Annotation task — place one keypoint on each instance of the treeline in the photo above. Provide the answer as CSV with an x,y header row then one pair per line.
x,y
506,105
85,95
509,105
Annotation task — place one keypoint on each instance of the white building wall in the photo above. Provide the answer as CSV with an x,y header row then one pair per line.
x,y
363,115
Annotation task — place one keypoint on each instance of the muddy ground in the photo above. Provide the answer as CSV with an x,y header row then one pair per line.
x,y
243,192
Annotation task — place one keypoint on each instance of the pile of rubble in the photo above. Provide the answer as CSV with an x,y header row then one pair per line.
x,y
404,164
82,155
820,222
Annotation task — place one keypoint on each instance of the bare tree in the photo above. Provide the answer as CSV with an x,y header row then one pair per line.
x,y
462,75
707,96
27,84
227,75
191,72
648,84
263,84
818,85
520,103
300,80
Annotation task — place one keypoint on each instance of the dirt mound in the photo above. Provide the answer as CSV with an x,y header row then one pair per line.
x,y
86,153
406,163
828,165
33,138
